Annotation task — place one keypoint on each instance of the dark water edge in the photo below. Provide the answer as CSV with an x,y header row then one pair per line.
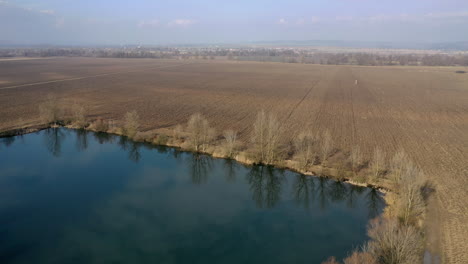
x,y
74,196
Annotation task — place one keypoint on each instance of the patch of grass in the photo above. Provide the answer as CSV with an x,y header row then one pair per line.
x,y
360,178
161,139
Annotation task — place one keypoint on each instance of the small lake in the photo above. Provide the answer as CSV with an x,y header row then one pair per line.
x,y
69,196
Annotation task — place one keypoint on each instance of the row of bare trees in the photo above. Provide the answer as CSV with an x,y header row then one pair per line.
x,y
403,174
406,178
51,112
267,146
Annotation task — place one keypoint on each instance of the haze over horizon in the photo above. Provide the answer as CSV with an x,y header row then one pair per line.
x,y
67,22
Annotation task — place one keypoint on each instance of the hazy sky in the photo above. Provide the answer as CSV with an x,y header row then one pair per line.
x,y
235,21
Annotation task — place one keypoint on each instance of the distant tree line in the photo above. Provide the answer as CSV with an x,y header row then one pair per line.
x,y
270,54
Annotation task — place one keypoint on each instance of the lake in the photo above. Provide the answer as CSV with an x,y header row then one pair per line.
x,y
71,196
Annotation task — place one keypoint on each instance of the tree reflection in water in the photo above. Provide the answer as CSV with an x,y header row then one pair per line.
x,y
230,166
304,190
322,193
200,166
161,149
265,181
176,153
134,152
102,137
131,147
81,139
374,202
7,141
353,192
265,185
53,138
337,191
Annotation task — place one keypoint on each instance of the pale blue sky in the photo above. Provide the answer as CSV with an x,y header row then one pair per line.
x,y
216,21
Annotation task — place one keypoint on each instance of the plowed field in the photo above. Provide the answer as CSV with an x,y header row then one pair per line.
x,y
423,110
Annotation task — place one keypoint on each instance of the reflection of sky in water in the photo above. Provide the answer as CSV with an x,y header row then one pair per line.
x,y
80,197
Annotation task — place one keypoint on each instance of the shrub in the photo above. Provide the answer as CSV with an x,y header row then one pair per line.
x,y
393,243
377,165
230,137
161,139
101,125
397,165
131,124
303,146
201,134
79,116
410,203
356,158
326,145
266,138
358,257
177,132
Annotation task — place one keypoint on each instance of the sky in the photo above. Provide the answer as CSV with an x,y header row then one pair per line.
x,y
154,22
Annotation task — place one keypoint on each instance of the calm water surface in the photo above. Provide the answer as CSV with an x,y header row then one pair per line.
x,y
79,197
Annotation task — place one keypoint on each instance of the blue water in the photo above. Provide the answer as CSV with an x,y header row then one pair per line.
x,y
70,196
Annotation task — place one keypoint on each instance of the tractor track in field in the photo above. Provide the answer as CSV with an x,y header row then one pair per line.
x,y
300,102
90,76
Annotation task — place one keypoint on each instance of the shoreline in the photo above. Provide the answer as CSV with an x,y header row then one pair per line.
x,y
240,157
389,196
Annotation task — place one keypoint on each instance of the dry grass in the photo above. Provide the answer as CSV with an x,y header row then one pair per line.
x,y
421,110
79,116
50,111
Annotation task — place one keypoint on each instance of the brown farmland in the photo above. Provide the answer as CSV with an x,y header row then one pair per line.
x,y
423,110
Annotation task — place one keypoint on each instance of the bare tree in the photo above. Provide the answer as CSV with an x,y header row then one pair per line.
x,y
410,203
201,134
266,137
177,132
360,257
397,165
303,145
49,110
326,145
101,125
355,158
377,165
231,140
131,124
394,243
79,115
